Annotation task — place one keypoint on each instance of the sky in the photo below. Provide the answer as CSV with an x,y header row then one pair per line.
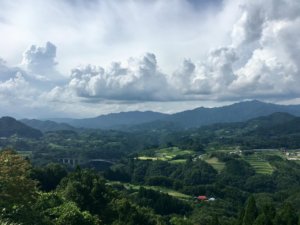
x,y
79,58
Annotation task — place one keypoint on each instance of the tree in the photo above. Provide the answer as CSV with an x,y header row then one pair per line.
x,y
127,213
17,190
15,185
6,222
179,221
240,217
250,212
286,216
267,216
214,220
49,176
69,214
88,190
157,201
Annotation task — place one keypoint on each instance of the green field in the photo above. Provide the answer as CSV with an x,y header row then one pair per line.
x,y
259,164
168,191
150,158
168,154
56,146
215,163
178,161
175,155
256,160
226,149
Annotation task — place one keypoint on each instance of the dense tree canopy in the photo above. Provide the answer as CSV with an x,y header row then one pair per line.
x,y
17,191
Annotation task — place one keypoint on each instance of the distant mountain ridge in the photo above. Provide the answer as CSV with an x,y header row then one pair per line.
x,y
271,121
237,112
116,120
10,126
194,118
47,125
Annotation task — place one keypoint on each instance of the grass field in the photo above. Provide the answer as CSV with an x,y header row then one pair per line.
x,y
56,146
150,158
215,163
170,192
178,161
226,149
168,154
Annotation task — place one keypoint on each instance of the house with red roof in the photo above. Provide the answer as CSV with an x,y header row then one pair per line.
x,y
202,198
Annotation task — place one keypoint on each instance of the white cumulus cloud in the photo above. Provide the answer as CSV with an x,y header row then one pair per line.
x,y
40,60
140,79
239,50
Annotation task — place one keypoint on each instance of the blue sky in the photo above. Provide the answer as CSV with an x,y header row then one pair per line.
x,y
62,58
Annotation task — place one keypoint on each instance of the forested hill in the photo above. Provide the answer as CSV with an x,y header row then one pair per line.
x,y
237,112
116,120
274,131
10,126
47,125
277,123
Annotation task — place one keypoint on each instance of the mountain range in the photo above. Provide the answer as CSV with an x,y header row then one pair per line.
x,y
194,118
115,120
138,121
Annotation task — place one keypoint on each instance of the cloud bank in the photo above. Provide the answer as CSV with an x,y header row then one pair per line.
x,y
258,57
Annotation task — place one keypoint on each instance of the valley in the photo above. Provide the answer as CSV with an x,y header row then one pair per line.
x,y
175,175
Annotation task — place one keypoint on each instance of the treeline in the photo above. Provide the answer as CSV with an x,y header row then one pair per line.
x,y
231,187
267,215
52,195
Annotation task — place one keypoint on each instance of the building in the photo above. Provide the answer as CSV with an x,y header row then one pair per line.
x,y
202,198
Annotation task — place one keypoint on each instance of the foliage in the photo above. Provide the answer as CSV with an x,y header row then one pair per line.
x,y
17,191
10,126
250,212
48,176
69,214
157,201
286,216
127,213
82,196
87,190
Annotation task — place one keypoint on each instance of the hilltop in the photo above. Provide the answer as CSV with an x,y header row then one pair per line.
x,y
10,126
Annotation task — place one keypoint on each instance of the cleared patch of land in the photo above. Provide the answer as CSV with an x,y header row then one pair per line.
x,y
257,159
172,155
260,165
215,163
168,191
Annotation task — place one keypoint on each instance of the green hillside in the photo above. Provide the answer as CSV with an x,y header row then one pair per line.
x,y
10,126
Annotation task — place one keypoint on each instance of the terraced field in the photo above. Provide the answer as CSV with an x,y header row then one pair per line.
x,y
215,163
174,155
259,164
